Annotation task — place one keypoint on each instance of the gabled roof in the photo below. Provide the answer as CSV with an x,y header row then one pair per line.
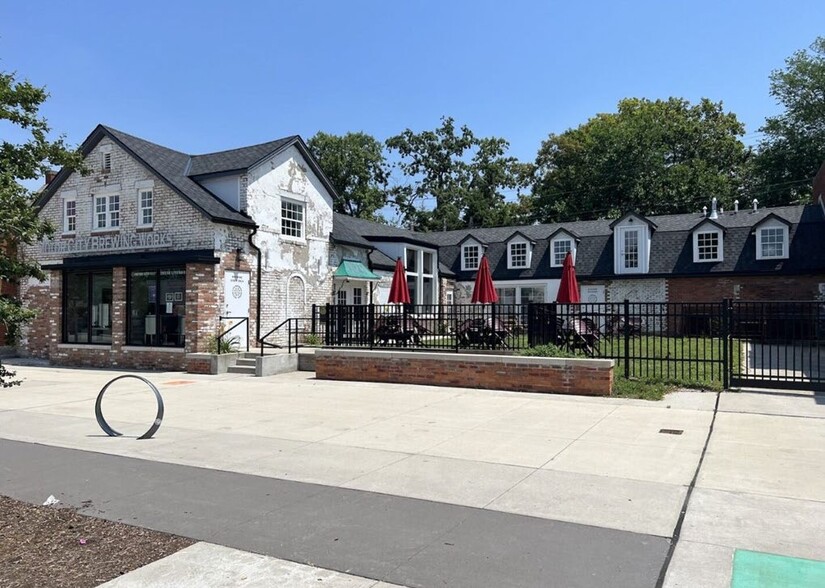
x,y
358,231
471,237
553,235
773,216
518,233
641,217
169,165
708,221
236,159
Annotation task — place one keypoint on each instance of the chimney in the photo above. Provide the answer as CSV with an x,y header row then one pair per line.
x,y
735,206
705,211
713,213
50,176
755,204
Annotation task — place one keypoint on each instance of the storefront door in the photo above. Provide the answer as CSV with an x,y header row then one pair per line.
x,y
236,304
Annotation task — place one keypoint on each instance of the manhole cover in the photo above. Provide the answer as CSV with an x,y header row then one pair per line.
x,y
672,431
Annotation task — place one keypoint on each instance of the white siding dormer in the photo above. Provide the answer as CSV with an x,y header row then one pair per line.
x,y
471,252
562,243
631,245
708,243
519,252
772,240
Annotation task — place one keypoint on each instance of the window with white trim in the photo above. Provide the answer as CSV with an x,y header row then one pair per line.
x,y
342,297
772,243
69,215
107,212
517,255
707,246
470,256
292,219
561,247
146,202
630,249
357,296
449,297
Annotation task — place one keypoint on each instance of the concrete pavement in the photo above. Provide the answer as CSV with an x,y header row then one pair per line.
x,y
598,464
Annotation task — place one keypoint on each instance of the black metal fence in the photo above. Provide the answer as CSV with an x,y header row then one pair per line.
x,y
709,343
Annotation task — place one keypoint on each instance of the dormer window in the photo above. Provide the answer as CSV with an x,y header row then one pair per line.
x,y
772,243
517,255
707,246
631,237
470,255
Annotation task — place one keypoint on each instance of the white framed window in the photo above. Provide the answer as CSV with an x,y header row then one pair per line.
x,y
772,242
292,219
69,215
357,296
342,296
560,249
106,162
707,246
470,257
106,212
449,297
146,212
518,255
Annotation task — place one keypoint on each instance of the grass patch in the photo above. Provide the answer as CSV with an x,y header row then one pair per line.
x,y
550,350
642,389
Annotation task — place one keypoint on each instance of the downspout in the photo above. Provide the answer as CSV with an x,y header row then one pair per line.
x,y
257,287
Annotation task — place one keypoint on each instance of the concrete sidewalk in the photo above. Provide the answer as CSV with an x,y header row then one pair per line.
x,y
600,465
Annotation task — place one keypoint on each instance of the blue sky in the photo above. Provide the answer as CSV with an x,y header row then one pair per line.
x,y
204,76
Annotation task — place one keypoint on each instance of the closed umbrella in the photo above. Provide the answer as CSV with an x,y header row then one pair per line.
x,y
399,292
484,291
569,287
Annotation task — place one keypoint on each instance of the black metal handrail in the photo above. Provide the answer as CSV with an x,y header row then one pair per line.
x,y
263,343
242,319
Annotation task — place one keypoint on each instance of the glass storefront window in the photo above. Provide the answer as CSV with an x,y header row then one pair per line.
x,y
157,307
412,258
87,307
427,291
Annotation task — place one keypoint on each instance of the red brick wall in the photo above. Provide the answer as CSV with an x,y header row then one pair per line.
x,y
712,289
569,376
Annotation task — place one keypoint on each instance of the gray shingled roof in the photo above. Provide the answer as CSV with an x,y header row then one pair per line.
x,y
235,159
671,245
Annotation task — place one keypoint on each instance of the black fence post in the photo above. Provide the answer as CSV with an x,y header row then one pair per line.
x,y
726,306
626,338
314,319
371,325
327,337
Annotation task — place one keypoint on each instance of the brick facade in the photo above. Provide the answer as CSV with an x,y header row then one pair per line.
x,y
712,289
588,377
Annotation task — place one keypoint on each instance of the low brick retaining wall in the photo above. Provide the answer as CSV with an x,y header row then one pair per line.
x,y
589,377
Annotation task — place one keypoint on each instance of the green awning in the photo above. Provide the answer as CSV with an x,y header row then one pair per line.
x,y
355,270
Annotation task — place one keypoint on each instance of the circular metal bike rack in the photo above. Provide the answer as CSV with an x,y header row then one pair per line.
x,y
108,429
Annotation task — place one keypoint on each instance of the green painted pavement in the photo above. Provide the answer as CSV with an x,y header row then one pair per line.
x,y
752,569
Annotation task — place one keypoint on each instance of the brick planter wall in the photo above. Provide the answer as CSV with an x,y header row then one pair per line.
x,y
588,377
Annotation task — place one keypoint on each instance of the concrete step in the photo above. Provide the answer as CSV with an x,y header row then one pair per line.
x,y
245,361
250,355
242,369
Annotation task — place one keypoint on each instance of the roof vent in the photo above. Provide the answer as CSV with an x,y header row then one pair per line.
x,y
755,204
713,213
704,211
735,206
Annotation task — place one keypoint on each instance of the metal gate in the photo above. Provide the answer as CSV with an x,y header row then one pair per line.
x,y
777,344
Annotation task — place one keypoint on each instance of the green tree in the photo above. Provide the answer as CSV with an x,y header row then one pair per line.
x,y
356,166
793,146
654,157
433,162
454,179
20,102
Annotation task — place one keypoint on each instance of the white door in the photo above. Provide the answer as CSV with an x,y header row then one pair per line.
x,y
236,304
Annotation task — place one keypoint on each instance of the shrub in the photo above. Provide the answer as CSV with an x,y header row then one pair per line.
x,y
550,350
312,340
227,344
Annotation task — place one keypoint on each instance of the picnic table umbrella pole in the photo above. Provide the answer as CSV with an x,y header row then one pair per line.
x,y
484,291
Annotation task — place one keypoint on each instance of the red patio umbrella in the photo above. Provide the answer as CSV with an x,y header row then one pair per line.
x,y
569,287
484,291
399,292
